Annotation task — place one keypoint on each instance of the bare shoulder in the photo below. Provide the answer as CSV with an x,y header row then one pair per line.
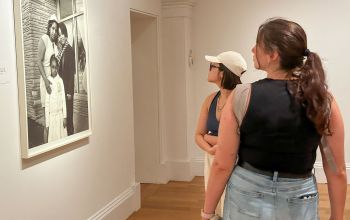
x,y
332,102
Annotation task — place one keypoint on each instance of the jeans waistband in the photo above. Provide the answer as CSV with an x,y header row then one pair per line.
x,y
273,174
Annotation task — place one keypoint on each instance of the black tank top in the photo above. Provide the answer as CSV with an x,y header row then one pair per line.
x,y
212,122
276,134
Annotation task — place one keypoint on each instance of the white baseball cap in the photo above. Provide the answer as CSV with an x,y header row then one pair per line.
x,y
232,60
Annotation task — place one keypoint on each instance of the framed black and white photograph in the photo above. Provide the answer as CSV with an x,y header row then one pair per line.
x,y
53,75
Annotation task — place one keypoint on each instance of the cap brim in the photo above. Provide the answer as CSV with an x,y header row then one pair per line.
x,y
212,59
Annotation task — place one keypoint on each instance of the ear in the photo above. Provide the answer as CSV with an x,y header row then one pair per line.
x,y
274,56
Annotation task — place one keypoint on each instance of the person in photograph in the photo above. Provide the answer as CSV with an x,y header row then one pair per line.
x,y
66,70
82,65
224,71
55,105
46,48
287,116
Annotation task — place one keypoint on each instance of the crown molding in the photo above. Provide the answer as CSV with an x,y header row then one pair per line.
x,y
178,3
177,8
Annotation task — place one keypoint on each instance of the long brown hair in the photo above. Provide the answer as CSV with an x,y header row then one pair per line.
x,y
309,85
229,80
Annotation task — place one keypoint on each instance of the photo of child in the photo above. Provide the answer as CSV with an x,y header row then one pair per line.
x,y
55,105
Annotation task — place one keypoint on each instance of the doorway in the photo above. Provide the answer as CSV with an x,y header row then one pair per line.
x,y
144,43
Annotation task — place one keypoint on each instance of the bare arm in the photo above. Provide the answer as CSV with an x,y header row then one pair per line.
x,y
212,140
225,157
337,181
39,61
201,130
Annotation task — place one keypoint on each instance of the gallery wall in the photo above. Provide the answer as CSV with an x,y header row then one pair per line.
x,y
95,177
92,177
232,25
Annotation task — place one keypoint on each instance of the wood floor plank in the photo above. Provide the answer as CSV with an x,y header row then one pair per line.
x,y
183,200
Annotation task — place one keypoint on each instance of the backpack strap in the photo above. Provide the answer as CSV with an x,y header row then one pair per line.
x,y
240,101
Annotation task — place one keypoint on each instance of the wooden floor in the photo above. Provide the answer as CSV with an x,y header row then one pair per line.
x,y
183,201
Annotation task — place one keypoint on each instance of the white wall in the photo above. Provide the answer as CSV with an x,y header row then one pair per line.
x,y
232,25
92,177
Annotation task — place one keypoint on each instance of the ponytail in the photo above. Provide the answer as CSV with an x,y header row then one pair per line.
x,y
311,90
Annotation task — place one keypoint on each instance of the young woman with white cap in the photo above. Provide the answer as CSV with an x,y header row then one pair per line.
x,y
224,71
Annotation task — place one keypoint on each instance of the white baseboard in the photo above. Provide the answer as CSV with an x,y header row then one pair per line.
x,y
197,166
185,170
320,175
122,206
179,170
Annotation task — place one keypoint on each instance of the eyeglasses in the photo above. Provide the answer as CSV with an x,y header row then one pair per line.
x,y
212,66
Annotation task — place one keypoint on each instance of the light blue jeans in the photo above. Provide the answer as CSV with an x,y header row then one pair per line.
x,y
251,196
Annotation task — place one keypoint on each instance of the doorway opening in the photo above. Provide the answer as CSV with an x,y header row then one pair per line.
x,y
144,43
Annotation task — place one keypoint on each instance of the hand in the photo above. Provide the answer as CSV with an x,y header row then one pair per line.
x,y
69,97
206,216
216,217
212,150
334,218
48,87
65,122
206,137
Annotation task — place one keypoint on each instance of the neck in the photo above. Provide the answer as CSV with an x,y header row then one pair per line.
x,y
62,45
277,74
225,92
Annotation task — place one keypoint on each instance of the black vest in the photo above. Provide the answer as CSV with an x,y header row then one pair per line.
x,y
276,134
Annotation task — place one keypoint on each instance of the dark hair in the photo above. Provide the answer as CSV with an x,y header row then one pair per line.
x,y
49,25
63,28
53,58
308,84
229,80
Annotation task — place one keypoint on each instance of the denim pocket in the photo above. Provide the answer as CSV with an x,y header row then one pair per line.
x,y
242,213
303,207
243,203
304,198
